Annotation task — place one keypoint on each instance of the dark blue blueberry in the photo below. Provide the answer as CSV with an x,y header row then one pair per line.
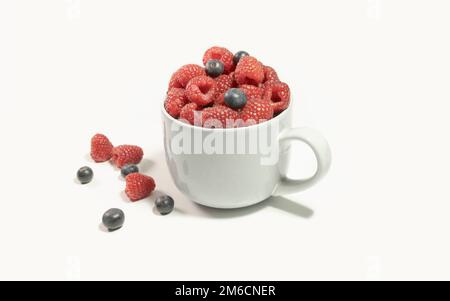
x,y
237,57
214,68
113,219
235,98
85,174
164,204
129,168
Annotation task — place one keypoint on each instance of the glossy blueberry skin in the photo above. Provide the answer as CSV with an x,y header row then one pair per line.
x,y
113,219
214,68
235,98
237,57
85,174
164,204
129,168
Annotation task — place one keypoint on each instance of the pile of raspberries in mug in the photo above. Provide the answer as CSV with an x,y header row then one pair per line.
x,y
230,90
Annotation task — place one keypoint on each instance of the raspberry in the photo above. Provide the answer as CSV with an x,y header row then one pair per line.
x,y
232,77
223,84
249,71
256,111
221,54
188,112
219,117
270,74
101,148
252,92
126,154
180,92
201,90
183,75
175,100
139,186
279,95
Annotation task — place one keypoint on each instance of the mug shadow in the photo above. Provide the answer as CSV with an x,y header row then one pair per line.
x,y
278,202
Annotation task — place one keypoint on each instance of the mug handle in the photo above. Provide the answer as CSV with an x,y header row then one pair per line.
x,y
321,150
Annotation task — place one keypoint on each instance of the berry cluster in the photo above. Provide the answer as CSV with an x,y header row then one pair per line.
x,y
138,186
125,157
229,91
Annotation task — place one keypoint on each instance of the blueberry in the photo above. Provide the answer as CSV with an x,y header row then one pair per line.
x,y
164,204
129,168
235,98
85,174
113,219
214,68
237,57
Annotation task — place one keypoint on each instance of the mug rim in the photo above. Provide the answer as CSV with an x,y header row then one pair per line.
x,y
279,116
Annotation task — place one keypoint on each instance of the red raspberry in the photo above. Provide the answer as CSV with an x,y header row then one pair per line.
x,y
256,111
201,90
223,84
139,186
219,117
180,92
235,84
279,95
101,148
126,154
183,75
222,54
249,71
175,100
270,74
252,92
188,112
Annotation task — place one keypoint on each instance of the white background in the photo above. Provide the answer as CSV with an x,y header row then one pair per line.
x,y
373,76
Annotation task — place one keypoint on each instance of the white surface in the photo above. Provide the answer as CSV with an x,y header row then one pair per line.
x,y
372,76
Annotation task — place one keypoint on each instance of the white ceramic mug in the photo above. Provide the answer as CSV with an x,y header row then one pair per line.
x,y
238,167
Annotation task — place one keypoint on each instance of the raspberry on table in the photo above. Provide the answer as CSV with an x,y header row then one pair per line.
x,y
188,112
252,92
222,54
278,93
249,71
139,186
101,148
183,75
219,117
201,90
126,154
256,111
223,84
270,74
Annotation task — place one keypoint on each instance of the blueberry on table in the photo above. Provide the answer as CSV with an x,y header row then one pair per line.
x,y
113,219
128,169
235,98
214,68
237,57
85,174
164,204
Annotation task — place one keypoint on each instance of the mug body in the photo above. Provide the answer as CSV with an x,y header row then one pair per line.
x,y
230,167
